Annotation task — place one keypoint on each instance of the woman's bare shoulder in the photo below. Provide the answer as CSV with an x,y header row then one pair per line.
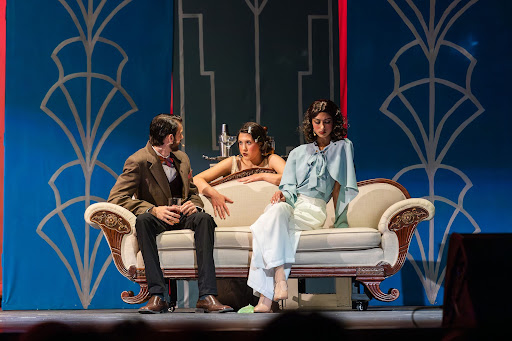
x,y
276,162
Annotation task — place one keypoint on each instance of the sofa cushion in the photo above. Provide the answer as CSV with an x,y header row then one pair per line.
x,y
240,238
354,238
180,259
237,237
242,258
369,257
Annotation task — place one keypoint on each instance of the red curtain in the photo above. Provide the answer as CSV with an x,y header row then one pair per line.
x,y
2,126
342,22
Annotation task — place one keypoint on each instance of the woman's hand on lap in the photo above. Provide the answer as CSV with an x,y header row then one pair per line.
x,y
277,197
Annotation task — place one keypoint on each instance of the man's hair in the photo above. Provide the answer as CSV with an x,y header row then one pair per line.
x,y
161,126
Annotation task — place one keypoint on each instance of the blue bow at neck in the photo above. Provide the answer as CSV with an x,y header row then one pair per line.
x,y
318,163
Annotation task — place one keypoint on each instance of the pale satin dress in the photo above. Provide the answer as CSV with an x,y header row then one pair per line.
x,y
307,184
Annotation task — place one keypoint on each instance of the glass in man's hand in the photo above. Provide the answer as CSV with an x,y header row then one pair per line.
x,y
174,201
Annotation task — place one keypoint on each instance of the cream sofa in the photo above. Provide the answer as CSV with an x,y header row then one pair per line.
x,y
382,219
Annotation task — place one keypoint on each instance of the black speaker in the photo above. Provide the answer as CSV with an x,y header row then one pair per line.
x,y
478,272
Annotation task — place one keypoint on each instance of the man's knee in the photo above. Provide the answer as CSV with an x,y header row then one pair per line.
x,y
143,221
203,222
201,217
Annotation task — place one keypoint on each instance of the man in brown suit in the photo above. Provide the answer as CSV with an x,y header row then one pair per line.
x,y
150,177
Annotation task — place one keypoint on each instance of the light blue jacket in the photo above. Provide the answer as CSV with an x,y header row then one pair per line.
x,y
313,172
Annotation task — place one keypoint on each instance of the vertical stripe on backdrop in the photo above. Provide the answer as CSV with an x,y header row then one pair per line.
x,y
342,25
2,125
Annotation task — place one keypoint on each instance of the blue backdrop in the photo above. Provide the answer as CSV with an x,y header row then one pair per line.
x,y
82,86
428,105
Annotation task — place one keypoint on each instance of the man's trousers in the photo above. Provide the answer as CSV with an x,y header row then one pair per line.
x,y
203,225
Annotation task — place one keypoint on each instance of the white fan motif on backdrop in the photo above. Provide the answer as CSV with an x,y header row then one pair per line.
x,y
430,38
87,153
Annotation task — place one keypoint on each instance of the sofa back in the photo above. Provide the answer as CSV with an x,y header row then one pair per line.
x,y
374,197
250,200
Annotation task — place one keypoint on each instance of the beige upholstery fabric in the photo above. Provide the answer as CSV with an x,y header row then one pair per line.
x,y
187,258
356,238
230,240
242,258
368,257
129,249
225,238
250,201
240,238
365,243
371,202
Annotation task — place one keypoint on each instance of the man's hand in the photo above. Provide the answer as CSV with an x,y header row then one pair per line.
x,y
277,197
219,204
188,208
168,214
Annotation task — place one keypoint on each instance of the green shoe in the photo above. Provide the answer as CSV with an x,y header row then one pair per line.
x,y
248,309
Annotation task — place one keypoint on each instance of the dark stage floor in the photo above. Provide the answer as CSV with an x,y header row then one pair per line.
x,y
421,322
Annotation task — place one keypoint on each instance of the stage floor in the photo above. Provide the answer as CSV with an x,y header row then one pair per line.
x,y
181,319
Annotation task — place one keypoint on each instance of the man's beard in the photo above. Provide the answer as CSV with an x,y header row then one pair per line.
x,y
175,146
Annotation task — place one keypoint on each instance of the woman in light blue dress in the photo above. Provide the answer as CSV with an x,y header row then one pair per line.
x,y
314,173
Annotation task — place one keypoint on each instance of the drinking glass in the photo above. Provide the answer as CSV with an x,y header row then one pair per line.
x,y
228,141
175,201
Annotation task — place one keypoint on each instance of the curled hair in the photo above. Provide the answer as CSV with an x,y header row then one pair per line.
x,y
161,126
329,107
259,135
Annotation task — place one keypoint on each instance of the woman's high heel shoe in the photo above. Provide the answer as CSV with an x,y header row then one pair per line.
x,y
264,305
281,291
261,308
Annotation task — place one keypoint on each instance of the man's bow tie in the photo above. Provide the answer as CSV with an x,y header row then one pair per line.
x,y
166,161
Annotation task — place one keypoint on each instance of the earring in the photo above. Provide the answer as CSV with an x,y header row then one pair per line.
x,y
314,134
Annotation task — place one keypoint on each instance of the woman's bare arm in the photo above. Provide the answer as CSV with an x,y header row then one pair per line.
x,y
276,163
218,200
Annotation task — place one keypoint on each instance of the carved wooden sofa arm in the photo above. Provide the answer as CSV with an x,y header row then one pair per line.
x,y
397,225
117,223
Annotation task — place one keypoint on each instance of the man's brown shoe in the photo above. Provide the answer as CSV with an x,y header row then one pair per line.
x,y
155,305
211,304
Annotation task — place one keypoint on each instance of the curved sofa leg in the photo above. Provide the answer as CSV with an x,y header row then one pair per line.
x,y
374,287
142,296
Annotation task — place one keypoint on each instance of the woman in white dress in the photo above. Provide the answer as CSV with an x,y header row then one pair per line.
x,y
314,173
255,152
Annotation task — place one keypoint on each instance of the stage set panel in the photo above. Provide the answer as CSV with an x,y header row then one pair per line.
x,y
427,103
